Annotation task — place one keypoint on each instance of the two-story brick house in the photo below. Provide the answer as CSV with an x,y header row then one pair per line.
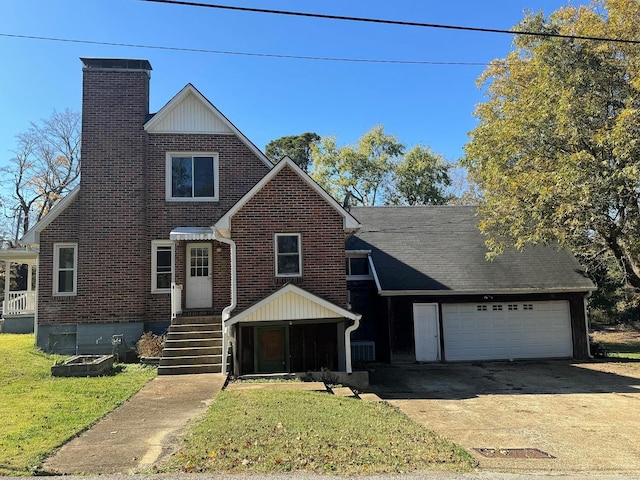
x,y
180,220
183,198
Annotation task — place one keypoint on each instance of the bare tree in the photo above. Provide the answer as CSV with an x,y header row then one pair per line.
x,y
46,166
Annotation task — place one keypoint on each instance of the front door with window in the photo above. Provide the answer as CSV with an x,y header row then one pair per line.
x,y
199,276
271,349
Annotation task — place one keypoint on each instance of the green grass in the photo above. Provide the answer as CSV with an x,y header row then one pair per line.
x,y
39,412
258,431
622,350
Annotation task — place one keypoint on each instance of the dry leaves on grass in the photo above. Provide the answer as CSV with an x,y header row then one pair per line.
x,y
269,431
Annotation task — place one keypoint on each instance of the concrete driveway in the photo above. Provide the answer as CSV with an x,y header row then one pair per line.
x,y
586,415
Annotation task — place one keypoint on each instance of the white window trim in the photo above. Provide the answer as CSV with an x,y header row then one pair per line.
x,y
56,269
359,277
275,256
154,264
168,183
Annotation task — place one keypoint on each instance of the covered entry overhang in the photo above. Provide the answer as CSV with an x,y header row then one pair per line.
x,y
292,305
191,233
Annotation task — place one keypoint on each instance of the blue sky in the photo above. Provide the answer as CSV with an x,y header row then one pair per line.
x,y
267,98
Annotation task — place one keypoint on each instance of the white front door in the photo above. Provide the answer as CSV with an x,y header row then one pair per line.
x,y
426,331
199,278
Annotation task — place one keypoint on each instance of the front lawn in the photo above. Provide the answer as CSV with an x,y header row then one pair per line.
x,y
39,412
619,342
258,431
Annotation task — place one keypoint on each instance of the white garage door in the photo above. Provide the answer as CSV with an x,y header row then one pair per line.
x,y
492,331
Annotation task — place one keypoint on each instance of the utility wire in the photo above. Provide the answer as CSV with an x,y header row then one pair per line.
x,y
248,54
394,22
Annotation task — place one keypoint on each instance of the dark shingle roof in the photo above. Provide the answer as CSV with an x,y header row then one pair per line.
x,y
440,248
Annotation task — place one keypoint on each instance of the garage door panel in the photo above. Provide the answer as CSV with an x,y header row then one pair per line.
x,y
506,330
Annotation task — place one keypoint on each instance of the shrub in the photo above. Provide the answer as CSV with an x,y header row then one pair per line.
x,y
150,345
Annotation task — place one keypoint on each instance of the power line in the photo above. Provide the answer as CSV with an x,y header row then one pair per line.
x,y
394,22
248,54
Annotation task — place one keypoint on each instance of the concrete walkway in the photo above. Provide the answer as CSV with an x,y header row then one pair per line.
x,y
138,433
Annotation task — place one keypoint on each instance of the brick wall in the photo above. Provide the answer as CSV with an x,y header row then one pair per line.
x,y
288,205
121,207
239,170
112,274
64,229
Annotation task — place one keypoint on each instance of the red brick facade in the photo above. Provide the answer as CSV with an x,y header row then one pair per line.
x,y
121,207
287,204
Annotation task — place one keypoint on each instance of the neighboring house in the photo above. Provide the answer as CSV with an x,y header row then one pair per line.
x,y
18,302
180,220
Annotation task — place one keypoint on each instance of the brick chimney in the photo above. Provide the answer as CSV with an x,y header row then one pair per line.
x,y
115,104
112,241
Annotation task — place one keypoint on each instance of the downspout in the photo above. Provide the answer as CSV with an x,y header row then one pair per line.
x,y
226,312
347,343
35,311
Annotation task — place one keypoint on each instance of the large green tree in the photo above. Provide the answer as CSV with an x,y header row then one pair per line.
x,y
556,153
365,168
376,170
296,147
421,177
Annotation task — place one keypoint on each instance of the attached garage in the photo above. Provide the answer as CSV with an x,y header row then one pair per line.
x,y
514,330
438,298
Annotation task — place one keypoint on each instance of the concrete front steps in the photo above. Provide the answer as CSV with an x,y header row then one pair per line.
x,y
193,345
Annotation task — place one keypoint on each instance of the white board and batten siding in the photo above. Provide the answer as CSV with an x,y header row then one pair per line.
x,y
512,330
290,306
191,115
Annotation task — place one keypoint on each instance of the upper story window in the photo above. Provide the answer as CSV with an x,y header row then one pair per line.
x,y
65,268
162,266
192,177
288,251
357,267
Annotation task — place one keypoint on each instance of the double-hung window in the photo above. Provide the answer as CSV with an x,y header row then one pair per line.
x,y
192,177
288,259
65,268
162,266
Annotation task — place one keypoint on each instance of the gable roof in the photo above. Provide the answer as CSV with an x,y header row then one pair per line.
x,y
439,249
291,303
224,224
191,112
32,237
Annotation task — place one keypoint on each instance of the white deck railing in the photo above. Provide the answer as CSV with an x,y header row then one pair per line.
x,y
20,303
176,300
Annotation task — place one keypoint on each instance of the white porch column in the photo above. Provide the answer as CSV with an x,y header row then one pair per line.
x,y
29,277
7,283
35,312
